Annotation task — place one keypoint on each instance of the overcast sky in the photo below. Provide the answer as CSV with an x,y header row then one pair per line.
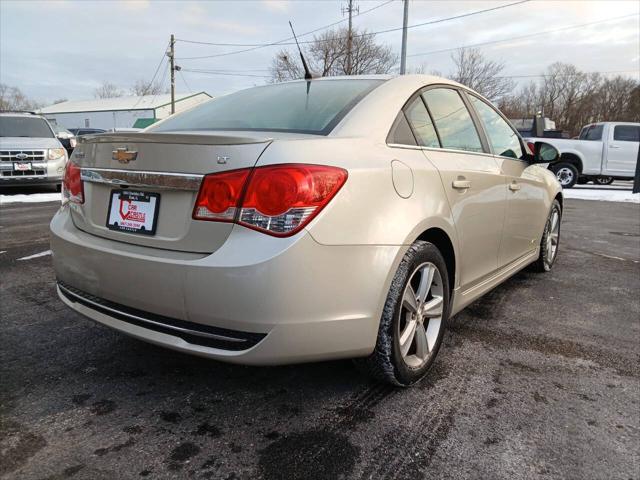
x,y
54,49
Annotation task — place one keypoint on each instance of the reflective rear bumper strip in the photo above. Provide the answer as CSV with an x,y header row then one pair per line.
x,y
194,333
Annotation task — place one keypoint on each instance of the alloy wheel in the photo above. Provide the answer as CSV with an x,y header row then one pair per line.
x,y
421,315
553,237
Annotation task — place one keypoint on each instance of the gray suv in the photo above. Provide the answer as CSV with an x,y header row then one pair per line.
x,y
30,153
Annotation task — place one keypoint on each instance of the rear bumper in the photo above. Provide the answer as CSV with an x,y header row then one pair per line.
x,y
295,299
30,180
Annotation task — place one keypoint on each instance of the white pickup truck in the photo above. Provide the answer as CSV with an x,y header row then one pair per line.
x,y
602,153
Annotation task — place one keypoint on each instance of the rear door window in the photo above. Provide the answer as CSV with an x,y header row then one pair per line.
x,y
502,137
420,121
452,120
626,133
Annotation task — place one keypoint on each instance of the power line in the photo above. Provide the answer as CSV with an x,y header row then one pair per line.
x,y
431,22
154,76
440,20
161,89
281,42
521,36
562,75
184,80
224,74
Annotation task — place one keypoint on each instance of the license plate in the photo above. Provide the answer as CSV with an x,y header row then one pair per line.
x,y
22,166
133,212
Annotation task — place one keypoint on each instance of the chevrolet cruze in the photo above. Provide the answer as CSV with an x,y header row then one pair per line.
x,y
343,217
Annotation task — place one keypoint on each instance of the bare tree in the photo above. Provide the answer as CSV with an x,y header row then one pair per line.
x,y
573,98
477,72
142,87
327,56
107,90
12,98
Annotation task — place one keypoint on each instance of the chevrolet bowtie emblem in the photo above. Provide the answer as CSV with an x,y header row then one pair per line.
x,y
123,155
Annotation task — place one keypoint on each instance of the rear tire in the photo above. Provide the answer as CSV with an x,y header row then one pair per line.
x,y
603,180
418,302
566,173
550,242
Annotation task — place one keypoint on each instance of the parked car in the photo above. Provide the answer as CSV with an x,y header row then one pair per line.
x,y
30,153
67,139
351,224
604,152
78,132
122,129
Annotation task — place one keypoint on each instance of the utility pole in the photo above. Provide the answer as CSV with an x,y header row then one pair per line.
x,y
349,9
403,54
172,66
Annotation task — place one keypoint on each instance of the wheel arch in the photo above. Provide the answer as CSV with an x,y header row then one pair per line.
x,y
443,242
572,158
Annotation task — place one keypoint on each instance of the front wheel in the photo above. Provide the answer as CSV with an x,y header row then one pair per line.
x,y
550,240
566,173
413,320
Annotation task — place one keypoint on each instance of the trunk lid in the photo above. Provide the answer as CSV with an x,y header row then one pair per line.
x,y
170,165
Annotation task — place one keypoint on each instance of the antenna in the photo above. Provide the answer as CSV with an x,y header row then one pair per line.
x,y
307,73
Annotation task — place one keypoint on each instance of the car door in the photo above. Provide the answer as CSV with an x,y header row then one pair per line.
x,y
622,149
470,176
524,185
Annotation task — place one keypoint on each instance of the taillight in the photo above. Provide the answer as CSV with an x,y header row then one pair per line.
x,y
532,147
72,189
282,199
219,196
278,199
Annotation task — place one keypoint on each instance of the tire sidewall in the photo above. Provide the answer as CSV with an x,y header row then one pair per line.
x,y
426,252
571,167
547,230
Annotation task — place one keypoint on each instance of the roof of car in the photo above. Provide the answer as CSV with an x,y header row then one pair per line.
x,y
8,113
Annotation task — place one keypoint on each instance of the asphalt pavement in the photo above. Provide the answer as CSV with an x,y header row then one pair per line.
x,y
538,379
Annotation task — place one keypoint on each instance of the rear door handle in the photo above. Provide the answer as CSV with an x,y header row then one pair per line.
x,y
614,146
514,187
461,184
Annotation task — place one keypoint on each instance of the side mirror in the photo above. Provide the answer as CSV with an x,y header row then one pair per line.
x,y
543,153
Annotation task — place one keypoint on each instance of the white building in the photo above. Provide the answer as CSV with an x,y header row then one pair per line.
x,y
120,112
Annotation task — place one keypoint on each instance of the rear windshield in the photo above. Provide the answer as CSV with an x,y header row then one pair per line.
x,y
24,127
302,107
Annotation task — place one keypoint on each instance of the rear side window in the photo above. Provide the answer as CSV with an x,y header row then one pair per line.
x,y
626,133
503,138
452,119
421,123
401,132
593,133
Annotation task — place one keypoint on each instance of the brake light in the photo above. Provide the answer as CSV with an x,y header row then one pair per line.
x,y
278,199
532,147
219,196
72,188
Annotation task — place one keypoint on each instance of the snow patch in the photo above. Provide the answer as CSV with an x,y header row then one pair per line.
x,y
30,198
602,195
37,255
